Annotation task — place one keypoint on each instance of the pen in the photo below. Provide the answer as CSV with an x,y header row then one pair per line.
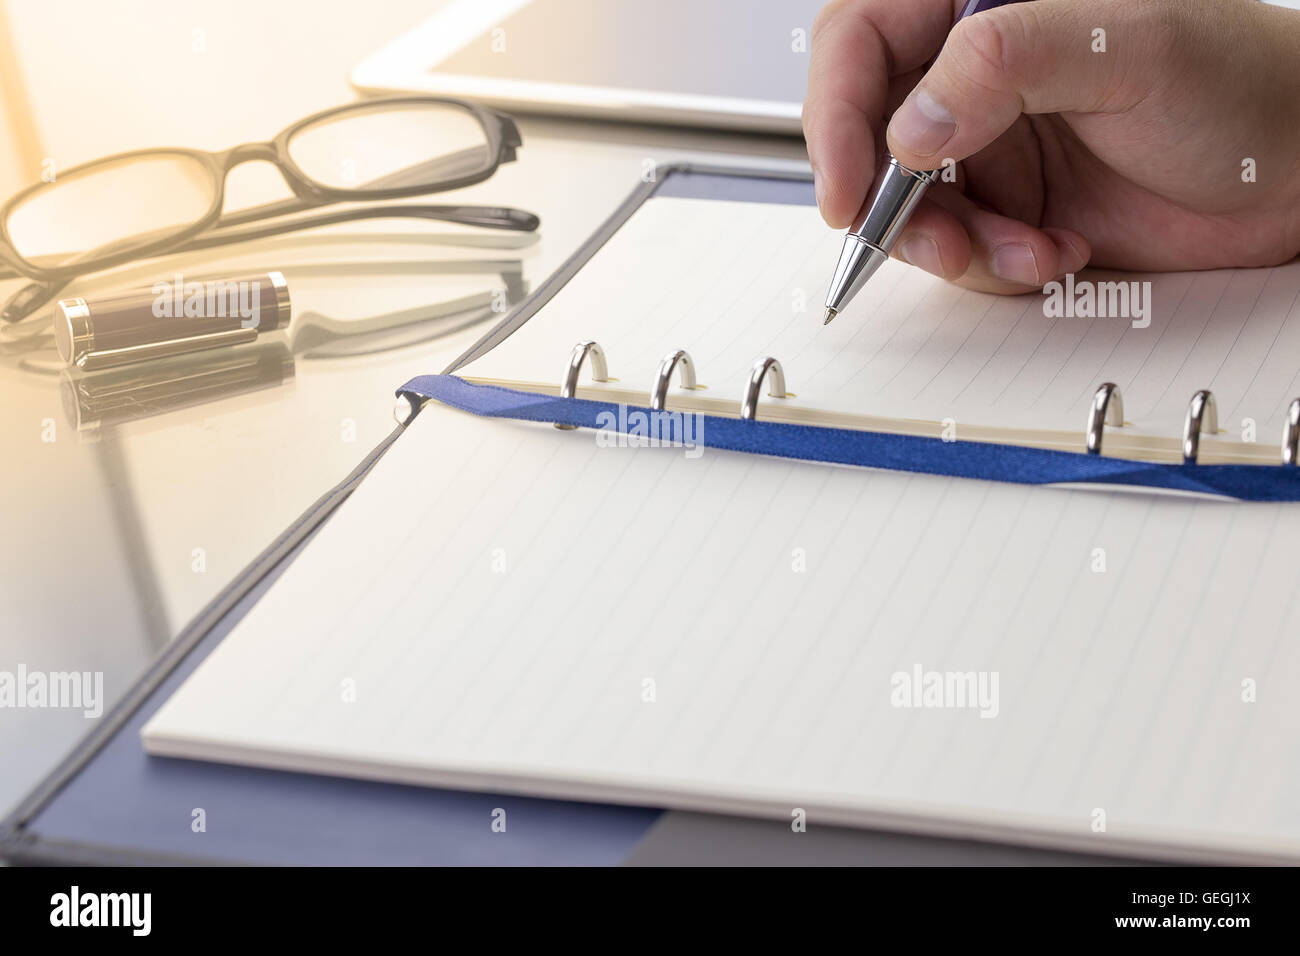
x,y
894,195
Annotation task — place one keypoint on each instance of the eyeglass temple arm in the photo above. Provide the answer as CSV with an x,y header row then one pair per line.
x,y
222,233
490,217
445,167
510,137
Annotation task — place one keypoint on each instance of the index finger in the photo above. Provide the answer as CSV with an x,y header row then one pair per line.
x,y
857,46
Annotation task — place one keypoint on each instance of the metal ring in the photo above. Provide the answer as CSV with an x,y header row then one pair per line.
x,y
665,377
1107,409
599,371
1291,435
404,409
283,309
762,368
1202,415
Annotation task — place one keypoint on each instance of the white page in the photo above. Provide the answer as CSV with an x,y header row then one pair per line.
x,y
731,282
496,595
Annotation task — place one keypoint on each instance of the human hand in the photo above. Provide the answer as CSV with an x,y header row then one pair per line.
x,y
1132,156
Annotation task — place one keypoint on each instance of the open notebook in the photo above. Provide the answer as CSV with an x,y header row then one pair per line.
x,y
508,607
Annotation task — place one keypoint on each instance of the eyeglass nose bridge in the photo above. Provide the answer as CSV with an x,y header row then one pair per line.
x,y
262,152
247,153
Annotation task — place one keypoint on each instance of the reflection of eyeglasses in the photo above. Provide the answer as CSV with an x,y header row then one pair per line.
x,y
154,202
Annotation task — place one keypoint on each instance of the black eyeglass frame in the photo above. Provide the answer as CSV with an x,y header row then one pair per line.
x,y
502,140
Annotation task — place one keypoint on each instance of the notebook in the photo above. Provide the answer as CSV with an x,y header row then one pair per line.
x,y
505,606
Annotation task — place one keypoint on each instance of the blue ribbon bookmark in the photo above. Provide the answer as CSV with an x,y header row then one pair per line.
x,y
961,459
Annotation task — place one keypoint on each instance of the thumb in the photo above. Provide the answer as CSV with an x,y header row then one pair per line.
x,y
1050,56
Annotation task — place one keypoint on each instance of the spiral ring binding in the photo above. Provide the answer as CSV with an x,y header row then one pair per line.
x,y
599,371
761,370
1107,402
1202,415
1107,409
660,393
404,409
1291,435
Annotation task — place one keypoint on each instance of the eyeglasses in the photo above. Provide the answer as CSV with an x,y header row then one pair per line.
x,y
159,201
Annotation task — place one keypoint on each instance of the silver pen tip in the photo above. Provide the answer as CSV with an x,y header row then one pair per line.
x,y
830,314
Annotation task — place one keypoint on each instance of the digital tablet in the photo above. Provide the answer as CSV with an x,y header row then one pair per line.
x,y
733,64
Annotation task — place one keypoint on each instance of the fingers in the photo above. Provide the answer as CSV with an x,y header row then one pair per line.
x,y
951,237
936,241
857,46
1022,58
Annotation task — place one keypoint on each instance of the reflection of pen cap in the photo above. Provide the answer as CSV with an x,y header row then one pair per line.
x,y
170,318
92,399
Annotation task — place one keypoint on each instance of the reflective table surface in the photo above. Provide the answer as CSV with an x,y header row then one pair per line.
x,y
134,495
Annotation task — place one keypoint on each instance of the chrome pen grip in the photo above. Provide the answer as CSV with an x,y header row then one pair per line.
x,y
894,195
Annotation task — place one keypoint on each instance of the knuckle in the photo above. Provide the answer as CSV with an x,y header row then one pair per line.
x,y
992,47
986,50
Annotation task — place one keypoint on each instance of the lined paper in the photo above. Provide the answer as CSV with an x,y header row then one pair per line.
x,y
731,282
723,632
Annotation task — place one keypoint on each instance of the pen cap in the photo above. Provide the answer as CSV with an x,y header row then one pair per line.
x,y
171,317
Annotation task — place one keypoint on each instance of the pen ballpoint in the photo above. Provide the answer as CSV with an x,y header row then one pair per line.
x,y
894,194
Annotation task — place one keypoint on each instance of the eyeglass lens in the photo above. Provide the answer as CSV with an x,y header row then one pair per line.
x,y
119,205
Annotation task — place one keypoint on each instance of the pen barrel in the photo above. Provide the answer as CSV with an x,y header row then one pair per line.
x,y
161,320
979,6
894,195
